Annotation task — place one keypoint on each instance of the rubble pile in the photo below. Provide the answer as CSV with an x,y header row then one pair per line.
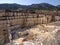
x,y
39,35
41,39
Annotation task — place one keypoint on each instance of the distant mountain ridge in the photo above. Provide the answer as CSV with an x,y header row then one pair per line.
x,y
42,6
58,6
10,6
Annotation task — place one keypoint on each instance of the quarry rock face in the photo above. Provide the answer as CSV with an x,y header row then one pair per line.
x,y
25,18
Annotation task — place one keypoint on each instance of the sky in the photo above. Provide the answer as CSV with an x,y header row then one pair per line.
x,y
29,2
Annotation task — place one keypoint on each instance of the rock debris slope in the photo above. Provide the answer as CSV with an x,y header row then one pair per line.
x,y
39,35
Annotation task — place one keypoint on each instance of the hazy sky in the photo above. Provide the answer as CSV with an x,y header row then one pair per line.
x,y
29,2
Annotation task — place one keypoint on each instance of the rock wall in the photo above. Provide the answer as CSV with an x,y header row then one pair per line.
x,y
23,19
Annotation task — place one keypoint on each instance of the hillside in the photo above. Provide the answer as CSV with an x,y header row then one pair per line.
x,y
41,6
